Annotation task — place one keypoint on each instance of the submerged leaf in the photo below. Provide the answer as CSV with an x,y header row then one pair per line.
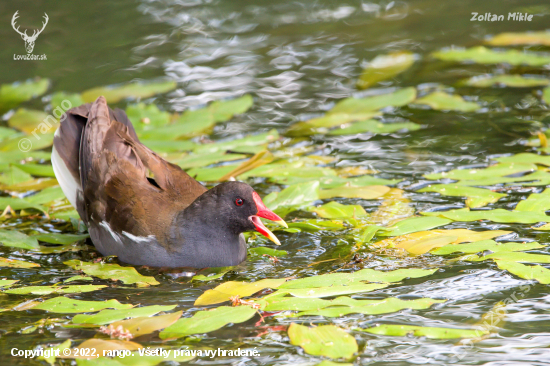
x,y
384,67
324,340
108,271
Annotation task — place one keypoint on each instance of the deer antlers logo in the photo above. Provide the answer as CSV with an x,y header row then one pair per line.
x,y
29,40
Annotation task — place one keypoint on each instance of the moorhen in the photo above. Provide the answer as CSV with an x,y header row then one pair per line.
x,y
140,207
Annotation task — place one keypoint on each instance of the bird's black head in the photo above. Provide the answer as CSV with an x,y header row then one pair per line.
x,y
236,207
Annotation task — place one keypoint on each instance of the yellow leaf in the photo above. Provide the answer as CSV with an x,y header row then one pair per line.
x,y
229,289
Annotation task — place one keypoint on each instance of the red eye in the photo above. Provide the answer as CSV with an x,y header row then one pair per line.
x,y
239,201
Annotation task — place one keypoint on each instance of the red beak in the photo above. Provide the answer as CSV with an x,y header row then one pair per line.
x,y
266,214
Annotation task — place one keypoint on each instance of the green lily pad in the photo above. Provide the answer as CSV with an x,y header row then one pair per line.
x,y
13,176
367,193
384,67
108,271
57,238
12,95
483,55
212,174
496,215
63,304
514,81
114,94
64,101
442,101
483,245
145,117
324,340
78,278
316,225
397,98
110,316
48,195
30,120
374,126
497,170
141,325
335,290
14,263
476,197
515,257
201,160
335,210
293,197
525,158
207,321
428,332
16,239
230,289
370,275
7,283
238,144
516,39
46,290
267,251
538,273
39,170
413,224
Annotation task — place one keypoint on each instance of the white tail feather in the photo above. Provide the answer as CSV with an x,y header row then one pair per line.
x,y
66,180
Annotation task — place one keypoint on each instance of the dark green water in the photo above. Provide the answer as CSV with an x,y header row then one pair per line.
x,y
296,58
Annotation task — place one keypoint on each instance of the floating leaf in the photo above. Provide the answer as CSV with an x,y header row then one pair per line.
x,y
368,192
324,340
443,101
200,160
293,197
316,225
64,101
16,239
165,146
63,304
14,263
194,122
370,275
384,67
267,251
208,321
336,290
374,126
114,94
429,332
39,170
477,197
46,290
78,278
536,202
46,196
484,245
57,238
515,257
515,39
525,158
397,98
372,307
414,224
538,273
484,55
261,158
29,120
496,215
13,94
7,283
423,241
14,176
393,208
18,204
128,275
145,117
238,145
100,347
329,120
335,210
110,316
498,170
514,81
144,324
226,290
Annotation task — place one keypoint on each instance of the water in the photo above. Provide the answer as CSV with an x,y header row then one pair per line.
x,y
297,58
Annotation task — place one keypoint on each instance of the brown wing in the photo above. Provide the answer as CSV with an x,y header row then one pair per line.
x,y
116,187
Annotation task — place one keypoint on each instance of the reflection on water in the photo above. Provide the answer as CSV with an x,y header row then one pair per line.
x,y
297,58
